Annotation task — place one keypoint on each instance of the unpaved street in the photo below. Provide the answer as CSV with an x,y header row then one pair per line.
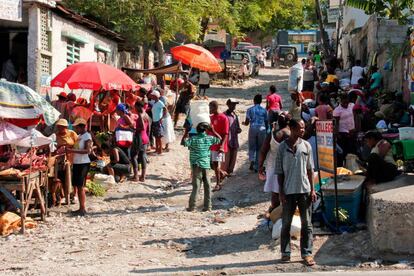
x,y
144,228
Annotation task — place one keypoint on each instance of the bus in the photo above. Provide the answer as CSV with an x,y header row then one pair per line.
x,y
299,39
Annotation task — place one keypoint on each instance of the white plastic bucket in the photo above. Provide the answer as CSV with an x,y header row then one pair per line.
x,y
295,72
199,112
406,133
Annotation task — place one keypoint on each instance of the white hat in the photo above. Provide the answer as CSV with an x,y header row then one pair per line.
x,y
156,94
232,100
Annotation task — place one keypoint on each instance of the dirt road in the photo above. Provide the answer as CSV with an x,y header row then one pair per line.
x,y
144,228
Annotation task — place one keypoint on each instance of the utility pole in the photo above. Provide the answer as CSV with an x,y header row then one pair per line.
x,y
325,42
338,29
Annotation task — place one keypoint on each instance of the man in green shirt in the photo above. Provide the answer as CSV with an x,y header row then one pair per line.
x,y
317,59
199,146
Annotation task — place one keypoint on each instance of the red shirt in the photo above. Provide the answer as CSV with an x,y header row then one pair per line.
x,y
274,101
220,124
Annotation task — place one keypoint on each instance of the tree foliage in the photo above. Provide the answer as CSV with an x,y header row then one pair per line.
x,y
393,9
156,21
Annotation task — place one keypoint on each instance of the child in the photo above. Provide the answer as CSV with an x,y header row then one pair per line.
x,y
199,146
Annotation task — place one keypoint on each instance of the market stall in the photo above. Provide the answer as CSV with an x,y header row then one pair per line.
x,y
106,81
23,170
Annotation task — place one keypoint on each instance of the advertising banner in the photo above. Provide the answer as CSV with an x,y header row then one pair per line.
x,y
326,145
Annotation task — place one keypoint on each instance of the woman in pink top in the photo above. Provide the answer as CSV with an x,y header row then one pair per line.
x,y
273,105
141,140
323,111
345,125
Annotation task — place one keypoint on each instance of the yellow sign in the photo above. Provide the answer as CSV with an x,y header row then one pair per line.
x,y
325,142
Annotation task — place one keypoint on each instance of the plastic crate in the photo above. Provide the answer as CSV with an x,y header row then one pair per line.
x,y
308,95
403,149
350,202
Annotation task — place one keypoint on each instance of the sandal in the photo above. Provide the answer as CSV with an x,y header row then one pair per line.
x,y
285,259
309,261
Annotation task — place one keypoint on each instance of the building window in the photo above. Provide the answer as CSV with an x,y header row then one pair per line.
x,y
101,57
45,64
45,29
73,52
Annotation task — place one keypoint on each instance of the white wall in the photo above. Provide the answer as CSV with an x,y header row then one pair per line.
x,y
87,51
33,49
351,14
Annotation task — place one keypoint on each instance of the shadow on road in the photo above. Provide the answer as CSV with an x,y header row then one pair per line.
x,y
204,267
208,246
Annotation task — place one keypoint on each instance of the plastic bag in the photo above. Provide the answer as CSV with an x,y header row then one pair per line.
x,y
294,228
124,138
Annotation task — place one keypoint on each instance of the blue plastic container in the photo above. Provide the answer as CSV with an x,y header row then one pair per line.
x,y
349,198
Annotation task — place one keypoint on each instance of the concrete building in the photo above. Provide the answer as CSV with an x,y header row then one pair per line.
x,y
382,42
49,38
352,21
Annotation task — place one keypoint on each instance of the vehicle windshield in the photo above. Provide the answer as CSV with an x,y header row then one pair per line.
x,y
239,56
285,51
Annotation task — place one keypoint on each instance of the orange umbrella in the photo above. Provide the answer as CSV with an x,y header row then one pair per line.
x,y
196,57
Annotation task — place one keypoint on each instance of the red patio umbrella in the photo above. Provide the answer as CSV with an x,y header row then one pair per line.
x,y
196,57
94,76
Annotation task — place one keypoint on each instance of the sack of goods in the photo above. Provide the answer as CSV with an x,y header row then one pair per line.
x,y
295,228
199,112
295,73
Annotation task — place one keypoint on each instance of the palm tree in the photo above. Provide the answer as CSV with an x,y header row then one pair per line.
x,y
393,9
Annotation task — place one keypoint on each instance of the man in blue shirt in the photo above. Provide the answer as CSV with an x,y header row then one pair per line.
x,y
158,111
256,117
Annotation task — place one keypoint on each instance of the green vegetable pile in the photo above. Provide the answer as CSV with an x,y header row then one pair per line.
x,y
95,189
343,215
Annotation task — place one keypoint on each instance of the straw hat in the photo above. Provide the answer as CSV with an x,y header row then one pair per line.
x,y
80,121
62,122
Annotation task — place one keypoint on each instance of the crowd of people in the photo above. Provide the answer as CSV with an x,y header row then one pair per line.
x,y
281,143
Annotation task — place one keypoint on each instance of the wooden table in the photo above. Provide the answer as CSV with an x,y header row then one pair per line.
x,y
26,186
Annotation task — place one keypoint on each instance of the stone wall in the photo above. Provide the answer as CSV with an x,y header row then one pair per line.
x,y
378,37
391,220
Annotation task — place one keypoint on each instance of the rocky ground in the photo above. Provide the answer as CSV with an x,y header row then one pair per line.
x,y
144,228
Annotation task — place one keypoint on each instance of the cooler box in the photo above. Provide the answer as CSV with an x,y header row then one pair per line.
x,y
349,197
403,149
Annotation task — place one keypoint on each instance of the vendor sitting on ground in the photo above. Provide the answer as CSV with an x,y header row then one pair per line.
x,y
120,166
381,165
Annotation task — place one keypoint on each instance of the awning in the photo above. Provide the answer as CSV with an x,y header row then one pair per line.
x,y
102,48
75,37
174,68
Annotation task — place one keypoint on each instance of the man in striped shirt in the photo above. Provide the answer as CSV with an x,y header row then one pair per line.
x,y
199,146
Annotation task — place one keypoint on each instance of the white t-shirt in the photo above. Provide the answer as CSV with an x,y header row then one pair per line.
x,y
357,72
346,117
81,158
204,78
